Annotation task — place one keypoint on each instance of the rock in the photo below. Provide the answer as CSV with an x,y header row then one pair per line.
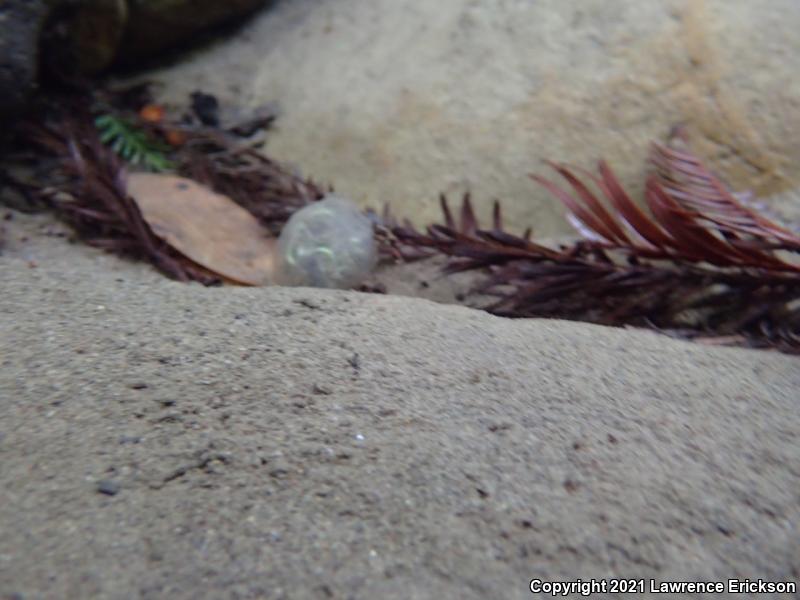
x,y
400,101
86,36
20,24
108,487
156,25
65,36
91,32
69,35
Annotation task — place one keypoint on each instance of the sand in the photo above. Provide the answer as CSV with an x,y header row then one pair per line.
x,y
164,440
397,101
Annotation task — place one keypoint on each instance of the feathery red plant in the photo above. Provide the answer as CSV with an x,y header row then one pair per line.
x,y
701,265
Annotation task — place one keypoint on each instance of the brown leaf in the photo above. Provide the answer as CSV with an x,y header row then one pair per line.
x,y
210,229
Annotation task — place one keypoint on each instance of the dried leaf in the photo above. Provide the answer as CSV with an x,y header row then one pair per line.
x,y
210,229
93,178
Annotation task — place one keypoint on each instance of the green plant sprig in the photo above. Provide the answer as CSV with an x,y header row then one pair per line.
x,y
132,144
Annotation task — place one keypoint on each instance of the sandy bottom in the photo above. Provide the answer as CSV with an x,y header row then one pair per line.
x,y
162,440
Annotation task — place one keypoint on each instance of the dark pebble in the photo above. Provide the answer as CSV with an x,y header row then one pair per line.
x,y
108,487
206,108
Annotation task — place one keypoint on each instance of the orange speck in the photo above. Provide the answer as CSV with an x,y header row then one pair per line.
x,y
175,137
152,113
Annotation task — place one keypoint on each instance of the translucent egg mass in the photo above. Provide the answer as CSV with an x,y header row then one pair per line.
x,y
328,244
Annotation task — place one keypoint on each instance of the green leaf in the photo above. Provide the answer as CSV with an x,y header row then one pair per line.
x,y
132,144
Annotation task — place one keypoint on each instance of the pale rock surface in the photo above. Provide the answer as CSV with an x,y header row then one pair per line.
x,y
399,100
164,440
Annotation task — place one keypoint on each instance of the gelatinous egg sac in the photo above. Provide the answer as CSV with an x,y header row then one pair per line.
x,y
327,244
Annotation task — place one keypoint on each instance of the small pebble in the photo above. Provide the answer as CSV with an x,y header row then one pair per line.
x,y
279,469
108,487
321,389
